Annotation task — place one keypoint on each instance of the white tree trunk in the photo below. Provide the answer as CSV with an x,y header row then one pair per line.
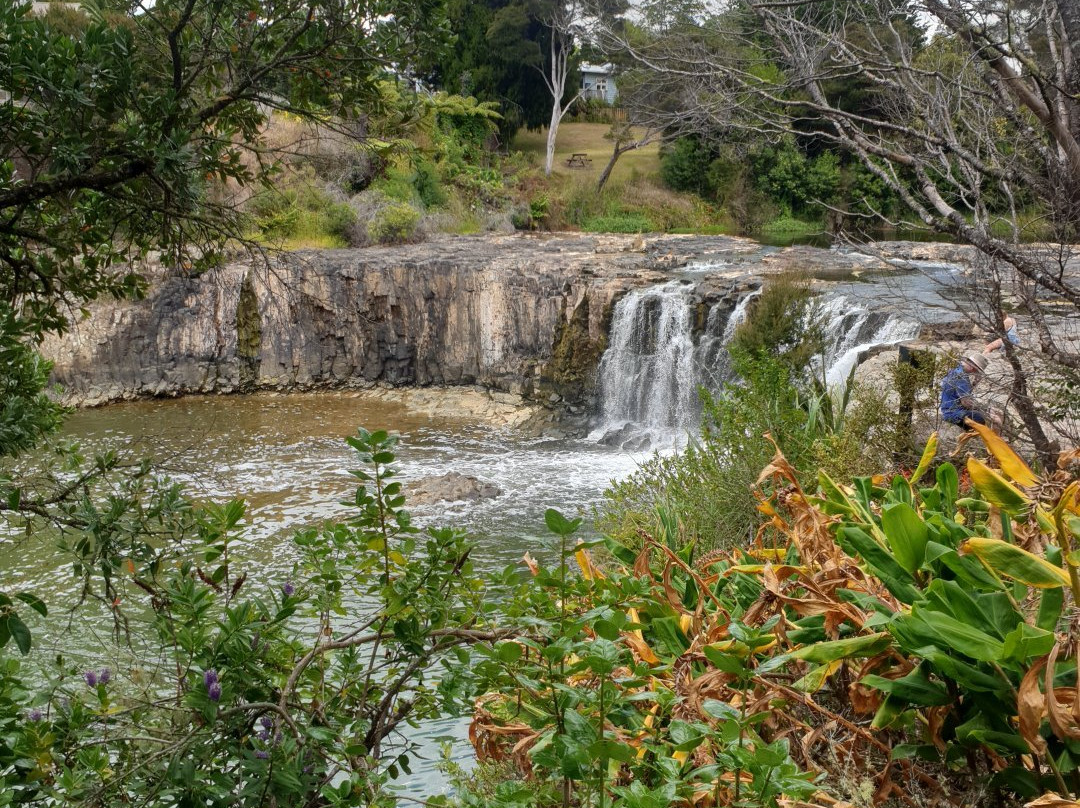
x,y
553,131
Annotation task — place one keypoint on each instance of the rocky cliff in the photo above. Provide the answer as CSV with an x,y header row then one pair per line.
x,y
526,315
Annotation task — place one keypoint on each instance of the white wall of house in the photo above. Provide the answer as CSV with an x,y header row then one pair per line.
x,y
598,81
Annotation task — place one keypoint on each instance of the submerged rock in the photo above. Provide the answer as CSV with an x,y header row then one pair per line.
x,y
450,487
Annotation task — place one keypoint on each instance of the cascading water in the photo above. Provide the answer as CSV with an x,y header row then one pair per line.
x,y
655,362
851,329
647,373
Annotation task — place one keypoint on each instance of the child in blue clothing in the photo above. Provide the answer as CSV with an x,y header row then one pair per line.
x,y
1010,335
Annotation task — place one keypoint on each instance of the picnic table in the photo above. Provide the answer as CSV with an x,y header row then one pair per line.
x,y
578,160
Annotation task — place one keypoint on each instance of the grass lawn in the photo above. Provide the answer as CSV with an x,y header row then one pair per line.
x,y
589,138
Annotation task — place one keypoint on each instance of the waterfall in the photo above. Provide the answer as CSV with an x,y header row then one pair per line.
x,y
851,329
656,360
646,375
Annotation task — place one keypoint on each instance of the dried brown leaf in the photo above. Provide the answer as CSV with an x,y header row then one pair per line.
x,y
1031,705
1052,800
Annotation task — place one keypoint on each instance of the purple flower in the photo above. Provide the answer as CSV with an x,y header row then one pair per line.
x,y
91,678
266,721
287,589
261,754
214,691
264,735
34,715
209,677
104,676
255,642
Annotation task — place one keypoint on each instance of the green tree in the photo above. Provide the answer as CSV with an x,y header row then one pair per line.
x,y
497,57
120,129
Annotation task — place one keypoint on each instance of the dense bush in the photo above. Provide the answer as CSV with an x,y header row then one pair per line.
x,y
706,488
300,209
684,166
396,223
794,181
246,693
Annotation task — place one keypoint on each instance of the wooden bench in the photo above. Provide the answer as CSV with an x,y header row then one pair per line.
x,y
578,160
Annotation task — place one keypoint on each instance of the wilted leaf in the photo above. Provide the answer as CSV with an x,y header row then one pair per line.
x,y
825,652
1031,706
994,488
927,458
1052,800
1013,562
1011,463
815,679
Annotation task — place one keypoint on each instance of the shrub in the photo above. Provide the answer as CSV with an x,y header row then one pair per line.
x,y
239,696
394,224
428,186
783,324
620,223
684,165
301,209
706,487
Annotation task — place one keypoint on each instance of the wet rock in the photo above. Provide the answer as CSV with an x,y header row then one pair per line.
x,y
450,487
522,315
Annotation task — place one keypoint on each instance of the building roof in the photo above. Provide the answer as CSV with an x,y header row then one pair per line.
x,y
606,69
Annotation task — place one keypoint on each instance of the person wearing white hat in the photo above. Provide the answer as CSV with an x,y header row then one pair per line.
x,y
957,403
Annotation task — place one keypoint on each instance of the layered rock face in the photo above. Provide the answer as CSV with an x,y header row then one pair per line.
x,y
522,315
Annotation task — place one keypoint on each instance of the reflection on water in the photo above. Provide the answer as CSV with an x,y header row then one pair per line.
x,y
287,457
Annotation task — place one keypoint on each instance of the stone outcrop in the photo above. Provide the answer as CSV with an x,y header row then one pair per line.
x,y
522,315
450,487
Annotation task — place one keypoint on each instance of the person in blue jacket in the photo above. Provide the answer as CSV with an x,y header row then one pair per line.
x,y
957,402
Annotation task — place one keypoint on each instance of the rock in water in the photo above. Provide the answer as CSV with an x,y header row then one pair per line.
x,y
451,487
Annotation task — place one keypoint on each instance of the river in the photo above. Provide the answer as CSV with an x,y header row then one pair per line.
x,y
286,456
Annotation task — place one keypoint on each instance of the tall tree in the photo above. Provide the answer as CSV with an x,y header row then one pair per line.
x,y
562,18
496,56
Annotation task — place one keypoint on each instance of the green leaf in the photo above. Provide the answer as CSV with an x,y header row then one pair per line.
x,y
907,534
889,711
34,602
1011,561
824,652
559,524
915,688
19,632
668,635
959,636
897,580
613,750
509,652
1026,643
948,484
